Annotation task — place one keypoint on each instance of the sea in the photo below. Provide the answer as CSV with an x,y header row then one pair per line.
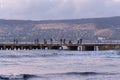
x,y
59,65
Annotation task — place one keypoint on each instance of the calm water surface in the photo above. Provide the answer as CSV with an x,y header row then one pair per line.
x,y
59,65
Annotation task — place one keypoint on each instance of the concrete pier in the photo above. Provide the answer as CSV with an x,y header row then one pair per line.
x,y
80,47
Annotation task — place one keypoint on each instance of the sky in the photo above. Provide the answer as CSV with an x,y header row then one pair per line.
x,y
58,9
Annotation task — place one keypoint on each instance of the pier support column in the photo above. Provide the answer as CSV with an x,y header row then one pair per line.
x,y
44,47
80,48
12,47
61,48
4,47
96,48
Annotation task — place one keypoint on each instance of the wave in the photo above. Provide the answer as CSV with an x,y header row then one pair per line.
x,y
85,73
16,77
28,55
28,76
60,54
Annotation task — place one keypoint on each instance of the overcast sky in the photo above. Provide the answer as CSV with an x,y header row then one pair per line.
x,y
58,9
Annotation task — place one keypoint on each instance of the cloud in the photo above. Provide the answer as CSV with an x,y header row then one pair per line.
x,y
58,9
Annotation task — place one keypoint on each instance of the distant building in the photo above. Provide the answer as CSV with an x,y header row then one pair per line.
x,y
101,39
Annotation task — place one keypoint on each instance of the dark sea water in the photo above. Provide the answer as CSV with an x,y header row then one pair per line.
x,y
59,65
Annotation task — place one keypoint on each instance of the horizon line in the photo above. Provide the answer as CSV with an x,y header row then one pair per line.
x,y
59,19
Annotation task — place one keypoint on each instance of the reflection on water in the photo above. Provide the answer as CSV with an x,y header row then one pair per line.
x,y
59,65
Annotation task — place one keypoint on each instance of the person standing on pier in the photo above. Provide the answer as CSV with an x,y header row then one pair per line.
x,y
70,42
60,41
16,41
45,42
51,40
37,41
64,41
80,41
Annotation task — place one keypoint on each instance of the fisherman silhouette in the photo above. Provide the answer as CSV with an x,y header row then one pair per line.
x,y
60,41
70,42
51,40
80,41
37,41
45,42
64,41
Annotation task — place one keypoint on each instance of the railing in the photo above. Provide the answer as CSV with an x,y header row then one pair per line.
x,y
58,42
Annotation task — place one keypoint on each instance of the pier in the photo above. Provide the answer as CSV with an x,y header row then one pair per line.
x,y
79,47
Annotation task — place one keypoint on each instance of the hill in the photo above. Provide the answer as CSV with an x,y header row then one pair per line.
x,y
89,29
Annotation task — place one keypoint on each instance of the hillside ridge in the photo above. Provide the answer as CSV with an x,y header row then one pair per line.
x,y
89,28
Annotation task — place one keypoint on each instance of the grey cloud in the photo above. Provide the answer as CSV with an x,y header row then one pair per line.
x,y
57,9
